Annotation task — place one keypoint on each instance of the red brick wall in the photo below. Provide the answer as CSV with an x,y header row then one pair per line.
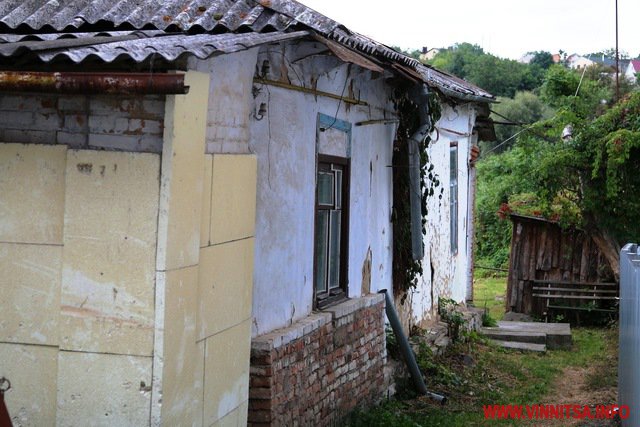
x,y
320,369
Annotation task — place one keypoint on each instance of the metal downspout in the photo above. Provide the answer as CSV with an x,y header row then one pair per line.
x,y
420,97
407,352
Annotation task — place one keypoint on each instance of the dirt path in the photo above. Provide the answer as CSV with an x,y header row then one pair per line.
x,y
573,388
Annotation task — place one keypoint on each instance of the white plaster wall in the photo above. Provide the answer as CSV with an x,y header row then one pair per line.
x,y
445,273
285,144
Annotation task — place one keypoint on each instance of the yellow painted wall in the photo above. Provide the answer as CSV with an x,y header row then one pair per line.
x,y
127,279
203,338
77,272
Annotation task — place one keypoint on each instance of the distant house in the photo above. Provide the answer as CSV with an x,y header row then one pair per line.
x,y
197,210
578,62
557,58
428,54
604,61
526,58
632,70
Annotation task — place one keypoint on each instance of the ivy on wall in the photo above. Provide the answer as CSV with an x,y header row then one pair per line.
x,y
406,270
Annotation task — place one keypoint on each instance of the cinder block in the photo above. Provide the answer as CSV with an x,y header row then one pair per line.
x,y
226,283
226,389
107,298
17,119
76,123
32,189
233,205
103,123
32,371
103,390
30,136
183,358
73,103
205,225
47,121
73,140
30,289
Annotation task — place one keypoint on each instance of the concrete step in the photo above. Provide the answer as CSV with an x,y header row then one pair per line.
x,y
524,346
558,334
501,334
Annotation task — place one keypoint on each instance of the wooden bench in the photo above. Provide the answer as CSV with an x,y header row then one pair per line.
x,y
555,292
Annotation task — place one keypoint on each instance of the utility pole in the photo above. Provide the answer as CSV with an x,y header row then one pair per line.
x,y
617,58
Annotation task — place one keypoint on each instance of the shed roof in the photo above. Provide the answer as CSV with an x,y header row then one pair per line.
x,y
137,29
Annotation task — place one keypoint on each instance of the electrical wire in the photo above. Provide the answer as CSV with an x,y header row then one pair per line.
x,y
335,118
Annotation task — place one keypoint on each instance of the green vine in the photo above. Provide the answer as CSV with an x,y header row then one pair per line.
x,y
406,270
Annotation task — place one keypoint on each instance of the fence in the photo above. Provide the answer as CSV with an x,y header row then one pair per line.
x,y
629,355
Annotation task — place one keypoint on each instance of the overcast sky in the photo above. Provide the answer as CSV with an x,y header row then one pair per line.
x,y
507,28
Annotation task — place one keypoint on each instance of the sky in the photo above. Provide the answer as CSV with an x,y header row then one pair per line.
x,y
506,28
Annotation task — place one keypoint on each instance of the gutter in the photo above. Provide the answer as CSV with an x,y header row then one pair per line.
x,y
93,83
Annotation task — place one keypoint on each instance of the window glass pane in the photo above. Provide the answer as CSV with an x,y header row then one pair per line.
x,y
325,188
322,228
334,249
338,189
454,164
453,199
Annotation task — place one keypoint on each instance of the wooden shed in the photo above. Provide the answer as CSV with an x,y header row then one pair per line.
x,y
557,271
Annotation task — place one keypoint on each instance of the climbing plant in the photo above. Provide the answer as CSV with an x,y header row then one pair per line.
x,y
406,270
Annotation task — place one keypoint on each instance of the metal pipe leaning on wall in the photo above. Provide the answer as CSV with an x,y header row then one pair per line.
x,y
93,83
406,350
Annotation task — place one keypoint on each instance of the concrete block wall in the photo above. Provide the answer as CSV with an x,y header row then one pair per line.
x,y
77,318
131,123
319,369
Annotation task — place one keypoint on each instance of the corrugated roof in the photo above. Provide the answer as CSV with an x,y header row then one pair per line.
x,y
79,29
140,45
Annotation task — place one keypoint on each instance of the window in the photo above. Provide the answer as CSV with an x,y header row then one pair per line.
x,y
331,238
453,196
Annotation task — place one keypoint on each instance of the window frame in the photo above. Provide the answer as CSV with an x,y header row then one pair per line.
x,y
330,297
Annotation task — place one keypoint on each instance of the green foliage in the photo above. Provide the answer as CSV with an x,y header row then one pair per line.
x,y
406,270
487,320
542,59
449,312
490,292
525,107
502,77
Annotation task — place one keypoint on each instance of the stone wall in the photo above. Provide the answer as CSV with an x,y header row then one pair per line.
x,y
318,370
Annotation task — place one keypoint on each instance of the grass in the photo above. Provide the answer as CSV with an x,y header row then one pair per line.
x,y
490,292
476,373
495,376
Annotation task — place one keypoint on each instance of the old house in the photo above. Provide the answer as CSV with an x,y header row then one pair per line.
x,y
196,210
632,70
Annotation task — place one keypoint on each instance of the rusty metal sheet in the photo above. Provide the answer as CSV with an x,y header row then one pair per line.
x,y
92,83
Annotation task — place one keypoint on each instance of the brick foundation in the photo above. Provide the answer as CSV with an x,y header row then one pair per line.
x,y
319,369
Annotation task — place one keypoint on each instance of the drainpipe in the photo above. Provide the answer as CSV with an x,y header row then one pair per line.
x,y
93,83
419,96
407,352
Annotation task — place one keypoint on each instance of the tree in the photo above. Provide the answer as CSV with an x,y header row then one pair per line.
x,y
589,181
525,108
541,58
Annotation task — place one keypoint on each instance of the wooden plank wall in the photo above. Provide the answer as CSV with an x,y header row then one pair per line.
x,y
541,250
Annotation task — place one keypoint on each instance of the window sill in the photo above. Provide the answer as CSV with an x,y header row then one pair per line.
x,y
347,306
